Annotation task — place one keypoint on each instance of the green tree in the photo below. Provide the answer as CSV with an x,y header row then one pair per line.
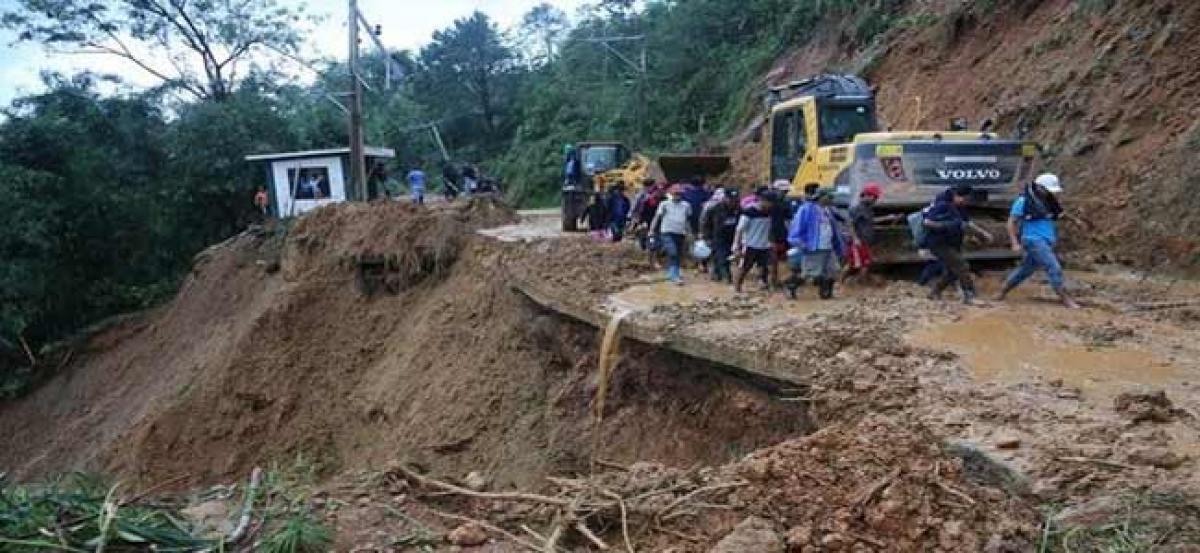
x,y
197,46
82,177
541,31
208,182
468,76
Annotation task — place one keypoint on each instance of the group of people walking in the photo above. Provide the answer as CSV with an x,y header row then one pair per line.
x,y
730,234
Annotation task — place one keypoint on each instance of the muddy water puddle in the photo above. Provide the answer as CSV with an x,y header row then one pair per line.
x,y
1010,347
648,296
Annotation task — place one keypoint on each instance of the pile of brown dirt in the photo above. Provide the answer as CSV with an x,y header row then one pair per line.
x,y
581,266
884,485
255,362
873,485
1145,406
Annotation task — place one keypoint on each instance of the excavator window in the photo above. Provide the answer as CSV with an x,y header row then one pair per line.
x,y
840,123
788,144
598,159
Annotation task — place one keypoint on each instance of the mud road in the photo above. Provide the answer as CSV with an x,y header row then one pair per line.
x,y
1077,404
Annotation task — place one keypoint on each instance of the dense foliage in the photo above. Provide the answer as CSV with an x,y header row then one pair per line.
x,y
108,196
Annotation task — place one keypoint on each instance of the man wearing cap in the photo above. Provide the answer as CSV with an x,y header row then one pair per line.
x,y
862,231
674,215
1032,229
946,223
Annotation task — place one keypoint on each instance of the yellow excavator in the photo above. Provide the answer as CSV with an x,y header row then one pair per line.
x,y
604,164
825,130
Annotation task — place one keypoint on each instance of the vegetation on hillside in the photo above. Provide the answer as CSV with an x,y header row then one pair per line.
x,y
111,190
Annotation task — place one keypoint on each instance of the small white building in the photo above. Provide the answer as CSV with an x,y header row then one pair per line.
x,y
302,181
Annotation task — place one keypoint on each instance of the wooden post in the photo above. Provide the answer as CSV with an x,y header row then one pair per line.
x,y
358,177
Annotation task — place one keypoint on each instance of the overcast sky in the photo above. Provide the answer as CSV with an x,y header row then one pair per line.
x,y
407,24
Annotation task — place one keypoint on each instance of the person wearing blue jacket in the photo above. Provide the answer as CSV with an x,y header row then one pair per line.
x,y
618,212
814,231
696,194
946,223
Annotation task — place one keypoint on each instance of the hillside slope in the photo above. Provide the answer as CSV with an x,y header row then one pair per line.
x,y
1112,95
271,350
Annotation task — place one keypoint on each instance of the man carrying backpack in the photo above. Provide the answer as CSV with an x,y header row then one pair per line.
x,y
946,223
1032,229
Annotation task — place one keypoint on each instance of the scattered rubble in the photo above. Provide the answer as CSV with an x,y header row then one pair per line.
x,y
1141,406
753,534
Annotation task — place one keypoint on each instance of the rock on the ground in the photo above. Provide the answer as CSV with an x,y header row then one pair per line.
x,y
1150,406
752,534
798,537
475,481
1090,513
1158,457
210,518
467,535
981,467
1007,441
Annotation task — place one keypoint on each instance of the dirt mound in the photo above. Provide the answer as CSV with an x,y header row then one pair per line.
x,y
877,484
272,349
880,483
1145,406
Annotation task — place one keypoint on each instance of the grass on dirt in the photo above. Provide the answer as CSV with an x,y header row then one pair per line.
x,y
81,512
84,512
292,528
1145,522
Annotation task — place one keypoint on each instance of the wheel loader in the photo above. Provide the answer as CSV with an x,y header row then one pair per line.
x,y
825,130
605,164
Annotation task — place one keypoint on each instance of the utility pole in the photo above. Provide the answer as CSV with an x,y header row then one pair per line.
x,y
637,67
358,164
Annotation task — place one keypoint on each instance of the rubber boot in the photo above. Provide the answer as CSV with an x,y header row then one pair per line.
x,y
1004,292
792,284
825,288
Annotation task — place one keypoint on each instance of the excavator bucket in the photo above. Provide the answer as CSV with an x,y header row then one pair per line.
x,y
681,167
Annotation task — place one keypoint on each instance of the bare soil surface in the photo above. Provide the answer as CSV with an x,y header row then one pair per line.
x,y
385,341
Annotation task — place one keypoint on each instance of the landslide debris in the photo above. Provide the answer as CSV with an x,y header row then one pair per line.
x,y
1145,406
446,366
876,484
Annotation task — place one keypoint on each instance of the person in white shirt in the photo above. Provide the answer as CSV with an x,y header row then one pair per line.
x,y
674,216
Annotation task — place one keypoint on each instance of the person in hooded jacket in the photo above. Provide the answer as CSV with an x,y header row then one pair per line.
x,y
618,212
718,225
596,217
814,230
946,223
752,238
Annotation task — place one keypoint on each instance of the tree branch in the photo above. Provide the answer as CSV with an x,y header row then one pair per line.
x,y
202,38
124,53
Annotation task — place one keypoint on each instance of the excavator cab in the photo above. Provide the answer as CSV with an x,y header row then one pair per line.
x,y
824,130
595,160
601,157
807,118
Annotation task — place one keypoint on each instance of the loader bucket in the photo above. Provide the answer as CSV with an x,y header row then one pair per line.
x,y
681,167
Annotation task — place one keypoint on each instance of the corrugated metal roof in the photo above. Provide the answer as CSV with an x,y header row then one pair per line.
x,y
370,151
